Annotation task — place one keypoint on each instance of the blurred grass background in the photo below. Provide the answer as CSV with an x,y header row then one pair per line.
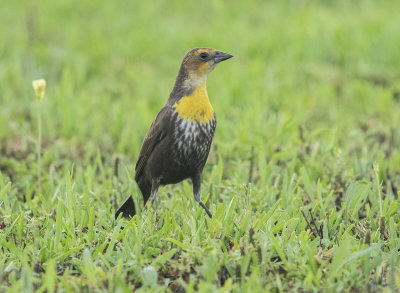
x,y
306,109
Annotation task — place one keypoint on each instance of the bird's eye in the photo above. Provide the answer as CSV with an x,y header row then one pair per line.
x,y
203,56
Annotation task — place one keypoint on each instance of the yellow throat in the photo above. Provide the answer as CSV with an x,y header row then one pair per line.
x,y
196,107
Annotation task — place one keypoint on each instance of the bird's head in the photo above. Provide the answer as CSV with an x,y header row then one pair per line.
x,y
197,64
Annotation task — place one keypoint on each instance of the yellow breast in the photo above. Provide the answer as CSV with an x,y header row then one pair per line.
x,y
196,107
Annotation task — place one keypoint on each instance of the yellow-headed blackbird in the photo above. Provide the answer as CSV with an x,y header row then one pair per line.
x,y
178,142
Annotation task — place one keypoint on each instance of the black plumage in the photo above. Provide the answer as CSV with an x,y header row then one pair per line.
x,y
178,142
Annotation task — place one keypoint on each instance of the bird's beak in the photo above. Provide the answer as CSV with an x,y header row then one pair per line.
x,y
221,56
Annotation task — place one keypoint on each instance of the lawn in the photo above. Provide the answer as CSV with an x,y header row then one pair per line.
x,y
303,177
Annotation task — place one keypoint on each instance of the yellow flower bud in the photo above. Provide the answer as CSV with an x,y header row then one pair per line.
x,y
39,86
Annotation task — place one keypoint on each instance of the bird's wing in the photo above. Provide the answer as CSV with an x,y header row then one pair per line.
x,y
153,137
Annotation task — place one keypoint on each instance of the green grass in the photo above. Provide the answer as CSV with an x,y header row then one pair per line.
x,y
304,174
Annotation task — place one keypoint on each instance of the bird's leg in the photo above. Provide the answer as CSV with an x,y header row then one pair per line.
x,y
154,190
196,181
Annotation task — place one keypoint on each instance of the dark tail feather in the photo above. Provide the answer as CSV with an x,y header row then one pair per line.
x,y
127,209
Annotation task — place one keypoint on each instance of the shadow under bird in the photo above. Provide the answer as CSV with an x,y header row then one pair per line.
x,y
177,145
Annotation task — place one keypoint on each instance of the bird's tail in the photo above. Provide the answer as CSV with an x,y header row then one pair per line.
x,y
127,209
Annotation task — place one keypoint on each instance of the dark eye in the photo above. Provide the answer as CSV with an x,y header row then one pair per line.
x,y
203,56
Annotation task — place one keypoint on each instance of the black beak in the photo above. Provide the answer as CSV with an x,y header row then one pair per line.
x,y
221,56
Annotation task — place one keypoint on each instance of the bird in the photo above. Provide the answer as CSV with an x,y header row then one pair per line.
x,y
178,142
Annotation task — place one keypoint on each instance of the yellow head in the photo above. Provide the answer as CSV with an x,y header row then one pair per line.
x,y
196,66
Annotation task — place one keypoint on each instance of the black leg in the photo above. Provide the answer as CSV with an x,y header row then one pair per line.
x,y
154,191
155,184
196,181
